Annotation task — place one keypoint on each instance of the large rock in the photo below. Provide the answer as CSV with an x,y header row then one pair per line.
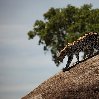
x,y
80,82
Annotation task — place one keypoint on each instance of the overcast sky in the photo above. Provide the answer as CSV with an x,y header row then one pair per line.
x,y
23,64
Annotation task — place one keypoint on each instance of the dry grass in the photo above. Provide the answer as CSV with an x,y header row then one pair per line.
x,y
80,82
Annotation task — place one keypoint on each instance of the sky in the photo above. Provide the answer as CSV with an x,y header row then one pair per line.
x,y
23,64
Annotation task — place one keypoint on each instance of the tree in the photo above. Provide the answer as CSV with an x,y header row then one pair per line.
x,y
63,25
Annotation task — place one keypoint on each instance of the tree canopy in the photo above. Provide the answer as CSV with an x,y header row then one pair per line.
x,y
63,25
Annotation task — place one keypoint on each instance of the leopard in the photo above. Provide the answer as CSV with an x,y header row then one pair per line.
x,y
87,44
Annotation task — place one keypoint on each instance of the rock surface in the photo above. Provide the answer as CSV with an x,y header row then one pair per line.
x,y
80,82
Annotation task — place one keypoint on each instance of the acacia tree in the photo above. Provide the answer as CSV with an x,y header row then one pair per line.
x,y
63,25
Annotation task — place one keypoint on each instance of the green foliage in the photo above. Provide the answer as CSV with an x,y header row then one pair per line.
x,y
63,25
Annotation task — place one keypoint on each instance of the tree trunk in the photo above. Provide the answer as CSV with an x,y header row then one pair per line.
x,y
80,82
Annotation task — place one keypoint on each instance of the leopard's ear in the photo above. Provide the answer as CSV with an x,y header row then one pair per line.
x,y
57,53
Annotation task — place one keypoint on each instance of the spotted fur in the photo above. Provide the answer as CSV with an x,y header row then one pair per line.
x,y
87,44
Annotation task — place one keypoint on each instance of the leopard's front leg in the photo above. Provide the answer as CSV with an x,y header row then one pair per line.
x,y
70,57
